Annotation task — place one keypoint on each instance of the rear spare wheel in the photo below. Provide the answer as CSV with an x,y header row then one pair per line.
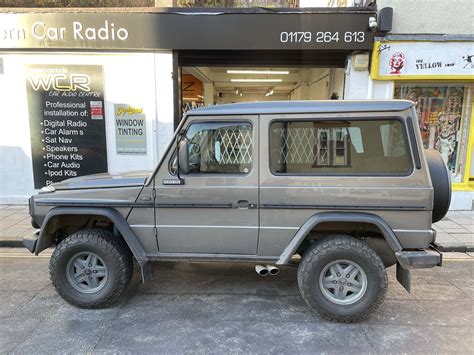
x,y
441,180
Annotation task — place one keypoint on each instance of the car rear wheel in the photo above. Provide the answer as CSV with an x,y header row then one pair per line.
x,y
91,268
342,279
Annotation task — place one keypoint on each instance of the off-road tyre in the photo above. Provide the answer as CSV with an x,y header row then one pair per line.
x,y
114,253
342,247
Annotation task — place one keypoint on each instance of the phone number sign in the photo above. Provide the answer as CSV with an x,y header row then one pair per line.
x,y
322,37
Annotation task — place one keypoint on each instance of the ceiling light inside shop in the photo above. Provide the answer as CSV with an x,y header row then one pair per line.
x,y
256,80
263,72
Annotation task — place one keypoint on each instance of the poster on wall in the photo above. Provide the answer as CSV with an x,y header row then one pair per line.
x,y
67,122
130,129
402,60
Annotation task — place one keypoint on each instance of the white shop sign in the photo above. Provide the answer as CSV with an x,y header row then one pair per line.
x,y
423,60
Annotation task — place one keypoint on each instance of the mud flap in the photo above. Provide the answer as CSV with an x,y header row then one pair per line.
x,y
404,277
147,271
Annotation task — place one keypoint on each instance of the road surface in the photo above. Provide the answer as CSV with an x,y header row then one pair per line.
x,y
227,308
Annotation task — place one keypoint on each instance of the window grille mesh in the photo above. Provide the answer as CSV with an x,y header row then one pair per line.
x,y
310,145
235,145
297,145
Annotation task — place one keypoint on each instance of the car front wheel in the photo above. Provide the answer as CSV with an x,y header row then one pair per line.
x,y
91,268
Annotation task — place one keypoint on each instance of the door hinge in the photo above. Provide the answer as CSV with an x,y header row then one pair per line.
x,y
153,193
155,232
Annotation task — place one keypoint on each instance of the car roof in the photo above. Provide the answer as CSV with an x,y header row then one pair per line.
x,y
327,106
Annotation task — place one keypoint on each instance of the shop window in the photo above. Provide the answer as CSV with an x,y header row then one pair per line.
x,y
322,147
443,112
360,147
219,148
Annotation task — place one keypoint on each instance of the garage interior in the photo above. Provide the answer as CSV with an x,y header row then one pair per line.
x,y
211,85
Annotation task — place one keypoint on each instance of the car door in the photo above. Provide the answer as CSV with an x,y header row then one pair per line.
x,y
215,210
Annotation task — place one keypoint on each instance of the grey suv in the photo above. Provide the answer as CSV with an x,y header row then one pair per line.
x,y
340,189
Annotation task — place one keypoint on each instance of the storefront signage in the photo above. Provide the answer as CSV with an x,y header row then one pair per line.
x,y
423,60
192,88
67,123
338,29
130,129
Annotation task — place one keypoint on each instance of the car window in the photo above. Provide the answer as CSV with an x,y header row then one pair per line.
x,y
339,147
218,148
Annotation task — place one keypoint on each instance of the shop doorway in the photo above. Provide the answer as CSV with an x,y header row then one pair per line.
x,y
210,77
207,85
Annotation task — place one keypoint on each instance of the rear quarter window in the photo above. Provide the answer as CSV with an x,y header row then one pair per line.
x,y
359,147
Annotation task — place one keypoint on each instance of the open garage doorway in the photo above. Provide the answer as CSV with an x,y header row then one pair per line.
x,y
208,85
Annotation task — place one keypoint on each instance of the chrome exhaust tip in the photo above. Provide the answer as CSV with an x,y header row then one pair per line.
x,y
273,270
261,270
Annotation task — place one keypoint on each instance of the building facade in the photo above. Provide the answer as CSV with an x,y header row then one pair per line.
x,y
87,92
428,58
92,92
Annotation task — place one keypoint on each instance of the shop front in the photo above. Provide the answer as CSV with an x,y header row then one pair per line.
x,y
439,77
88,92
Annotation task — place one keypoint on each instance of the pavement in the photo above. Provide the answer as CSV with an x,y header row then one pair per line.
x,y
454,233
15,222
215,308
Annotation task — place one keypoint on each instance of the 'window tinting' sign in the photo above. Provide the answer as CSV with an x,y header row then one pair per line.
x,y
130,129
67,123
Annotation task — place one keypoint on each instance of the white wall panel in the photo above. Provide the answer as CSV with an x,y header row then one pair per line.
x,y
139,79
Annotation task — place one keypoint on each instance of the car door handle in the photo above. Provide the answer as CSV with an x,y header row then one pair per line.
x,y
244,204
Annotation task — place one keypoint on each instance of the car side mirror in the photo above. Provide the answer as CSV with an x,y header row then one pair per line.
x,y
183,156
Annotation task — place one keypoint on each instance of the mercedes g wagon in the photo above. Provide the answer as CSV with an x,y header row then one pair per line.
x,y
340,189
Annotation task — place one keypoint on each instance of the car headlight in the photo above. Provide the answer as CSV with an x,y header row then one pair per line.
x,y
47,189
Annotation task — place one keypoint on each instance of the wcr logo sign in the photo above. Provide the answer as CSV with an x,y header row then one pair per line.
x,y
60,82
